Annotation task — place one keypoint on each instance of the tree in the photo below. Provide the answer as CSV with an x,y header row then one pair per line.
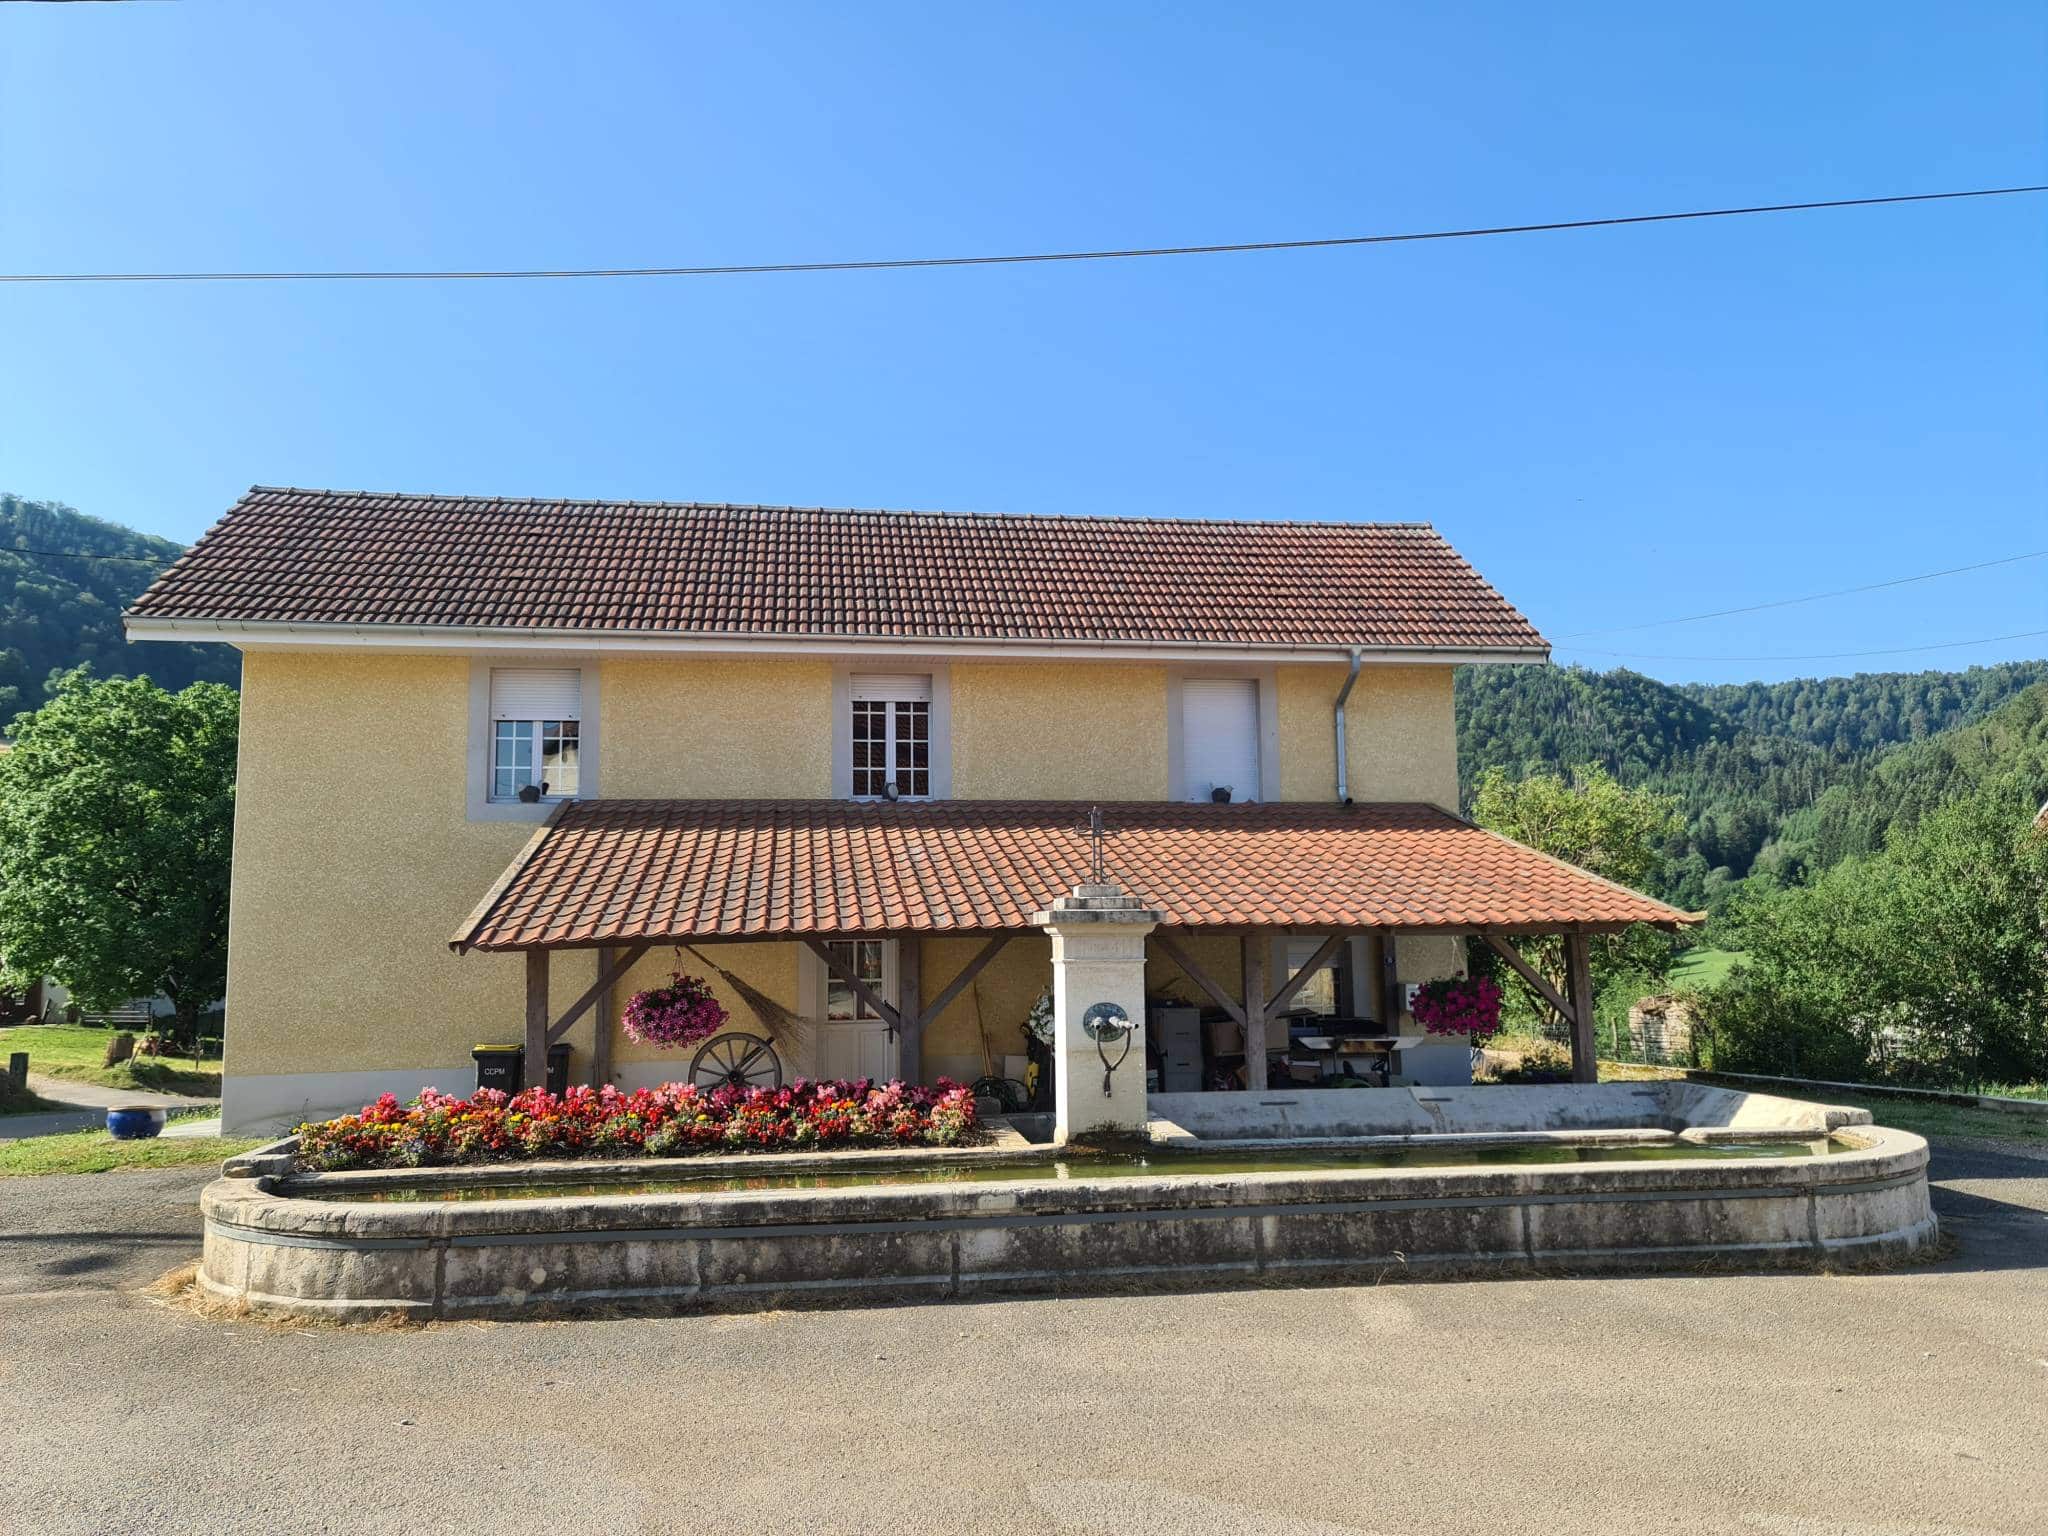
x,y
116,827
1928,960
1593,821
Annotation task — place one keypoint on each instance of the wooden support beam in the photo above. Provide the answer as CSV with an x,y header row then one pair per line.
x,y
1255,945
965,979
536,1073
607,974
1324,954
910,987
885,1011
1198,976
1536,979
610,970
1579,979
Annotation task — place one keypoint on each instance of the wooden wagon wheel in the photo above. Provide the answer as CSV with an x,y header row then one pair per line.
x,y
743,1061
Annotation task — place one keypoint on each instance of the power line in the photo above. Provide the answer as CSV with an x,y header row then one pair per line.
x,y
1902,650
897,264
1793,602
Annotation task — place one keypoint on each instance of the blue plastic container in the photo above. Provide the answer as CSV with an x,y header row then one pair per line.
x,y
134,1124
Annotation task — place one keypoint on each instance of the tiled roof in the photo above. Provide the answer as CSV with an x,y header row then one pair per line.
x,y
619,871
357,558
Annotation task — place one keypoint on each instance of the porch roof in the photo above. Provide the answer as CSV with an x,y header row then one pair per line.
x,y
615,872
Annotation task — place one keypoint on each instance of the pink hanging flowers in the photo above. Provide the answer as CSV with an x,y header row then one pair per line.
x,y
1460,1005
681,1013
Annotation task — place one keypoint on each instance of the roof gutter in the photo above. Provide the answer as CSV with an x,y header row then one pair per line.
x,y
418,637
1343,759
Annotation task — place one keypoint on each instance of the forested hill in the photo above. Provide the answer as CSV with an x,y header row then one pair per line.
x,y
1891,791
1871,710
1773,777
56,612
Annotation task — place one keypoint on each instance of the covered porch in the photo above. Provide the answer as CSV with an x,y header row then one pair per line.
x,y
897,913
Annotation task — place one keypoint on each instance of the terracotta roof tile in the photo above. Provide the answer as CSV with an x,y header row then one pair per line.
x,y
361,558
618,871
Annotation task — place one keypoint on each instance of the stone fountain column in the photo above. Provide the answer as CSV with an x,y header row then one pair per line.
x,y
1098,957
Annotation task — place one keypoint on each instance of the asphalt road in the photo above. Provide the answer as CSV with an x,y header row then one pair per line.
x,y
1908,1404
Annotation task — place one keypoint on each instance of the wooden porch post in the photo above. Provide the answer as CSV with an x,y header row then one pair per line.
x,y
606,1022
910,1004
1255,945
1578,968
536,1018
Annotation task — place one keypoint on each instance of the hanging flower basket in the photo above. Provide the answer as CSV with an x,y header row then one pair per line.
x,y
681,1013
1459,1006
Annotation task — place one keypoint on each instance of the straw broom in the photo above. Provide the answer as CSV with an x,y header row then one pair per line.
x,y
792,1031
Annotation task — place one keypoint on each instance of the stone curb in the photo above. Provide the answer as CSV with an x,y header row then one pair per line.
x,y
2003,1106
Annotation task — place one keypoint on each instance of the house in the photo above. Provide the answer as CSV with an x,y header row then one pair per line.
x,y
500,758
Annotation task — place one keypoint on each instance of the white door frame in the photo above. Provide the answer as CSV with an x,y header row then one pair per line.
x,y
811,979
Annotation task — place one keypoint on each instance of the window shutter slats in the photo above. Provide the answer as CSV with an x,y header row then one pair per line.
x,y
1220,736
877,685
536,693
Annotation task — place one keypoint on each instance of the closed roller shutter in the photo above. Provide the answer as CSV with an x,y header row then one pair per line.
x,y
536,693
880,685
1220,736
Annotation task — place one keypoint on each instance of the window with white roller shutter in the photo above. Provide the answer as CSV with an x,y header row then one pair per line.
x,y
536,731
892,736
1220,737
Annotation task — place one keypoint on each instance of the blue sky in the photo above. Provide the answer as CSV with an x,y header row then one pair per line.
x,y
1616,426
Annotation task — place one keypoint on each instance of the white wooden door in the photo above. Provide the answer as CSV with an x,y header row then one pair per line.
x,y
852,1041
861,1049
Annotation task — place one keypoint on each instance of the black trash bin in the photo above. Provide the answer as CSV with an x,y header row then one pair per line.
x,y
499,1066
503,1067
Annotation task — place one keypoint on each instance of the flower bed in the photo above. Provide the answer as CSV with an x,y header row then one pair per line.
x,y
674,1120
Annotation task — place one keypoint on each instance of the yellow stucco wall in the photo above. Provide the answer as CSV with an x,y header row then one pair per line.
x,y
1059,732
682,727
1000,998
1401,732
355,860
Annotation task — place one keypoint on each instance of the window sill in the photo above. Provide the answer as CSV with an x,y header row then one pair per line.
x,y
514,810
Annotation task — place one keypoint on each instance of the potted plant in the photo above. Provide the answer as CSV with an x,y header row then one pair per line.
x,y
680,1013
1458,1005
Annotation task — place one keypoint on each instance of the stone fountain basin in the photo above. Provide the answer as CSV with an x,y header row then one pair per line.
x,y
310,1245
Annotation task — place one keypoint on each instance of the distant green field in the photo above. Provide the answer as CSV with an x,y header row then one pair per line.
x,y
1703,967
75,1052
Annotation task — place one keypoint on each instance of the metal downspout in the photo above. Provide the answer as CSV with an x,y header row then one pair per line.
x,y
1343,764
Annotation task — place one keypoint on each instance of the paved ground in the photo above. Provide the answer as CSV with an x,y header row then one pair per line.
x,y
86,1106
1911,1404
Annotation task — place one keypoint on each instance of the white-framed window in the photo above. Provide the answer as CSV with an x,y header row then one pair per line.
x,y
891,728
1219,733
1322,993
863,957
536,742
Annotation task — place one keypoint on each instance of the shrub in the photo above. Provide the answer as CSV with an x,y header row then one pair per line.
x,y
674,1120
1543,1063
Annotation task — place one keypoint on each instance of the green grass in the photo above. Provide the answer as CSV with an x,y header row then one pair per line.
x,y
97,1152
75,1052
1702,968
